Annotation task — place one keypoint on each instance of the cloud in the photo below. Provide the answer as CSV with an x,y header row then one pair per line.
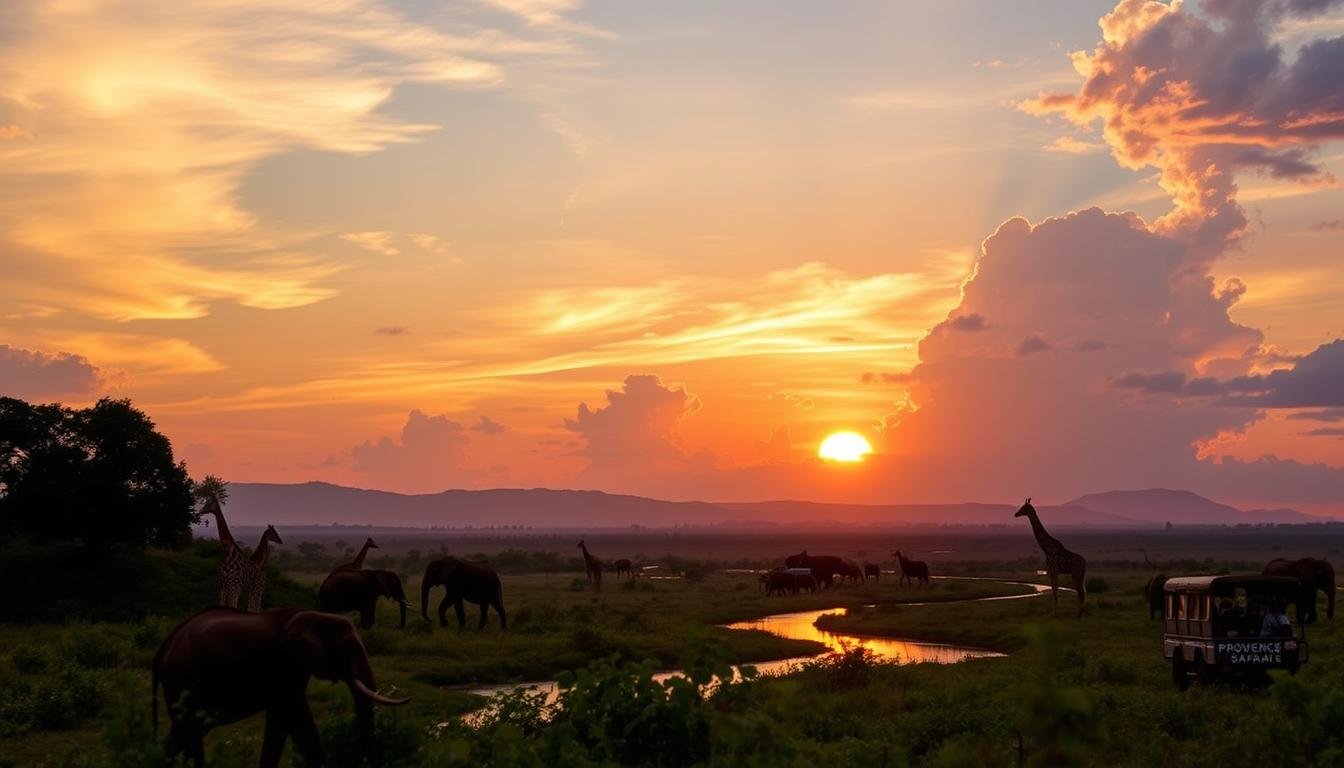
x,y
179,103
637,434
1333,225
40,376
801,401
1070,145
375,242
392,330
488,426
1316,380
1329,414
885,377
1326,432
430,455
1199,95
1032,345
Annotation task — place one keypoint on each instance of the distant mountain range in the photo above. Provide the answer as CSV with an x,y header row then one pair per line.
x,y
318,503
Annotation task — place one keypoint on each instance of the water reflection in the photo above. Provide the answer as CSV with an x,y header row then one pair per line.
x,y
802,626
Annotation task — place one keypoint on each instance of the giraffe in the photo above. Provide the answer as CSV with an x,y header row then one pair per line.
x,y
912,570
358,562
254,572
1057,559
235,560
592,565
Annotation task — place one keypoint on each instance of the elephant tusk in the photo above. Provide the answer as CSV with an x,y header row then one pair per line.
x,y
378,698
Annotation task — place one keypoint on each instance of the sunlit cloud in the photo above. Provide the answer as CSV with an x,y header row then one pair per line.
x,y
375,242
1072,146
131,124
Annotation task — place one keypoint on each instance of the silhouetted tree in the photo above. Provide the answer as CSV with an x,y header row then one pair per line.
x,y
101,475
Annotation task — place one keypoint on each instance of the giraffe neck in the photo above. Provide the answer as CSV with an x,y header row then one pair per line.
x,y
225,537
586,556
1043,537
359,559
259,556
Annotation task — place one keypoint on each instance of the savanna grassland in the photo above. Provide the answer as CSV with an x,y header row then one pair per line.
x,y
75,687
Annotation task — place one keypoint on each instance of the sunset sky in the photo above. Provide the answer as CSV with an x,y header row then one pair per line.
x,y
1042,248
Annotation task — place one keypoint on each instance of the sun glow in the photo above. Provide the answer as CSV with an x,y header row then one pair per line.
x,y
844,446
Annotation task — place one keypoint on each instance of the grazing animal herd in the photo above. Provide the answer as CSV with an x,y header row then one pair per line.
x,y
233,660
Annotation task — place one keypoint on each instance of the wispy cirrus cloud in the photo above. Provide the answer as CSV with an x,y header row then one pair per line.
x,y
130,125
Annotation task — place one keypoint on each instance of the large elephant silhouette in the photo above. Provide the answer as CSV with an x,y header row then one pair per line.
x,y
222,665
1313,575
462,580
1155,593
348,590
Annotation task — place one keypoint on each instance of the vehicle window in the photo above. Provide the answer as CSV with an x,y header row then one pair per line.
x,y
1171,606
1181,611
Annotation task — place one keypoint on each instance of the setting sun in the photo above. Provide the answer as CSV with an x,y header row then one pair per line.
x,y
844,446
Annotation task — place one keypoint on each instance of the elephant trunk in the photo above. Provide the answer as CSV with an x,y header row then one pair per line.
x,y
426,584
1330,592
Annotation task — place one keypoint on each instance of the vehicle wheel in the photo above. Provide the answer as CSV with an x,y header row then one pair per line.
x,y
1178,676
1204,673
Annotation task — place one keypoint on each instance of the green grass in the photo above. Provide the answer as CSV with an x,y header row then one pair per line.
x,y
1090,691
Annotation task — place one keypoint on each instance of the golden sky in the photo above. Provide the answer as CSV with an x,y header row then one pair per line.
x,y
667,248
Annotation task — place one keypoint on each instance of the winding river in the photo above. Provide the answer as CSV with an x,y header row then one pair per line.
x,y
801,625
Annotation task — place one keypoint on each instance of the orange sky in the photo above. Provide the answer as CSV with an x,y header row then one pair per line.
x,y
398,245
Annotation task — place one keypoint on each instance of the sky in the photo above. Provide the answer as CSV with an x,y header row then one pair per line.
x,y
1039,248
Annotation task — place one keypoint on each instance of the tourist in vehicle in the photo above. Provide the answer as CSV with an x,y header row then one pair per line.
x,y
1276,622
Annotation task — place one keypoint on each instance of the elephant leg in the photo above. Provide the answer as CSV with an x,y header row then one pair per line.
x,y
499,608
273,743
461,614
443,609
186,737
485,611
366,616
306,740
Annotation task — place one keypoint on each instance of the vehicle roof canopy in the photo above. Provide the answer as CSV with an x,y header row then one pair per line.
x,y
1230,582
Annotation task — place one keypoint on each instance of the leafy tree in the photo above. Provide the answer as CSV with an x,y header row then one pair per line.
x,y
101,475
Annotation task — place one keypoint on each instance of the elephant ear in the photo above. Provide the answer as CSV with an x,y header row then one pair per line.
x,y
389,583
310,639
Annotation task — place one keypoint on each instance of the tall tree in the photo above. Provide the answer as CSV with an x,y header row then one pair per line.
x,y
102,475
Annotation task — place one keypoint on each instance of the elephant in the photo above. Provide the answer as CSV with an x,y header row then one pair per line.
x,y
346,590
474,582
222,665
1313,574
872,571
824,567
779,581
624,568
851,571
1154,591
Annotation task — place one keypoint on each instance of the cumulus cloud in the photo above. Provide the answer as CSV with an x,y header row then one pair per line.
x,y
40,376
637,433
1199,96
430,455
1202,95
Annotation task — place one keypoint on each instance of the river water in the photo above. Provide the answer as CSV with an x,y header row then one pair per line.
x,y
801,625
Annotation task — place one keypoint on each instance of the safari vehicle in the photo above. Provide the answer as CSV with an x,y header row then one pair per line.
x,y
1213,628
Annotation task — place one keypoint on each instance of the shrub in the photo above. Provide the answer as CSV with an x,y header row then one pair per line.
x,y
1096,585
93,648
29,660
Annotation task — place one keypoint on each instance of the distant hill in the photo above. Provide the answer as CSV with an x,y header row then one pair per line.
x,y
318,503
1160,505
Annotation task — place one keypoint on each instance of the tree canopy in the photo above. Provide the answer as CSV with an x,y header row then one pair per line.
x,y
102,475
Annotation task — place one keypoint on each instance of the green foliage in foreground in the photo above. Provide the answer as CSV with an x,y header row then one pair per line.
x,y
1089,692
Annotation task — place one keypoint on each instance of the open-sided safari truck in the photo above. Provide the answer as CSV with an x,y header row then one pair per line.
x,y
1214,628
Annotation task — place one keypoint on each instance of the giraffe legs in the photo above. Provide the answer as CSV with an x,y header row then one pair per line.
x,y
1054,591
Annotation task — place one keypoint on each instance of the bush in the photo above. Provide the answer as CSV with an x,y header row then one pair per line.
x,y
29,660
92,648
1096,585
